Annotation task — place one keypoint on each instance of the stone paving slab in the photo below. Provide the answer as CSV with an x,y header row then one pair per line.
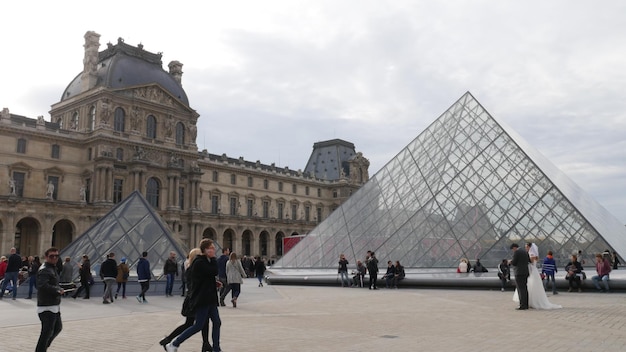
x,y
299,318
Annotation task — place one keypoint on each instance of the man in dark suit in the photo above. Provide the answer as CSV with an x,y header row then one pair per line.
x,y
520,262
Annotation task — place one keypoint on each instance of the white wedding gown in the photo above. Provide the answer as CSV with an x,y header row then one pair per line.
x,y
537,298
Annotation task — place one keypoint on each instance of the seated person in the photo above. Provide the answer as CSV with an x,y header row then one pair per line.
x,y
398,274
574,274
359,274
388,277
603,268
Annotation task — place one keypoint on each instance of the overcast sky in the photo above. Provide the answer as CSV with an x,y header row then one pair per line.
x,y
270,78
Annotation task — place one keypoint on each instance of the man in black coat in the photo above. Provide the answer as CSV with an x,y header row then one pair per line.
x,y
372,268
49,301
520,263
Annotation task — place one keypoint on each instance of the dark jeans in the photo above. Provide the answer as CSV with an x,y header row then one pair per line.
x,y
51,326
574,279
121,285
145,285
235,289
84,285
202,314
373,280
10,277
32,282
188,323
169,284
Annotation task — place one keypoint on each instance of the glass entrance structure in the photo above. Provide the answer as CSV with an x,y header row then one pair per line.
x,y
130,228
467,186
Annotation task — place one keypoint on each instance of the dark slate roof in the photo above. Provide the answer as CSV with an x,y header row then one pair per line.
x,y
329,158
123,65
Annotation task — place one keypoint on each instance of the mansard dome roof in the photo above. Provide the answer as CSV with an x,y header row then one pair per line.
x,y
123,65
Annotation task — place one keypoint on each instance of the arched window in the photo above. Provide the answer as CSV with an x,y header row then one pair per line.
x,y
152,192
91,124
151,127
120,120
180,133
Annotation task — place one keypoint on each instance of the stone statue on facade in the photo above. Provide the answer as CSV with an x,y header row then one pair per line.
x,y
11,187
83,193
169,126
134,119
193,132
105,113
50,190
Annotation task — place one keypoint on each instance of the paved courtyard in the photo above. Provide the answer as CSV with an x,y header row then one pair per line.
x,y
300,318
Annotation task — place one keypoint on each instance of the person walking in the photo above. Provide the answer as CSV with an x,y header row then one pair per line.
x,y
259,269
520,262
143,276
67,273
185,311
123,272
170,270
372,268
49,301
86,279
14,263
343,270
234,275
32,275
108,273
203,299
221,274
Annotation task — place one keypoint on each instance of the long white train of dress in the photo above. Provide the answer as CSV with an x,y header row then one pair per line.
x,y
537,298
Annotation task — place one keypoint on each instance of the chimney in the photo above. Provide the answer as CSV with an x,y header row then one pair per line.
x,y
176,70
90,61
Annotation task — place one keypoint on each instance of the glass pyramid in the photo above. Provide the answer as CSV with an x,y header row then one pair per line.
x,y
130,228
468,186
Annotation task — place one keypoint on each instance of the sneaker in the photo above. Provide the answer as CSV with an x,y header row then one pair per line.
x,y
164,341
222,303
234,302
105,302
145,300
570,290
116,296
555,293
171,348
138,299
502,289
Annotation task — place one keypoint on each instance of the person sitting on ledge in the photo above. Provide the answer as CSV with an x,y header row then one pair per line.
x,y
398,274
359,274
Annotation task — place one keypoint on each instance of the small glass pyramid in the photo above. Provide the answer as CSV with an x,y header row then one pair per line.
x,y
466,187
130,228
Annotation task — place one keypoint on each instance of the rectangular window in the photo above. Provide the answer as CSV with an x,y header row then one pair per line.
x,y
266,209
118,187
319,192
294,188
55,151
334,193
280,210
21,146
294,212
181,198
250,210
233,206
307,213
54,181
215,176
250,181
19,178
280,186
88,153
233,179
306,190
266,184
319,214
215,205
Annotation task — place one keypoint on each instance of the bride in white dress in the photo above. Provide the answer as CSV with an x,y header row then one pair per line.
x,y
536,293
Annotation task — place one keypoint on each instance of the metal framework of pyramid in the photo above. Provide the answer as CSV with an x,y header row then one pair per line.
x,y
130,228
467,186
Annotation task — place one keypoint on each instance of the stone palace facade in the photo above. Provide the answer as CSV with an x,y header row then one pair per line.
x,y
125,124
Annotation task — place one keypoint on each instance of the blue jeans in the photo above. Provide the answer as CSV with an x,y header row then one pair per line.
x,y
604,279
51,326
235,290
12,277
344,278
202,314
548,278
32,282
169,285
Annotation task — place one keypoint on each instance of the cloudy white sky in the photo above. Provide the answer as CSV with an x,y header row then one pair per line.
x,y
270,78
